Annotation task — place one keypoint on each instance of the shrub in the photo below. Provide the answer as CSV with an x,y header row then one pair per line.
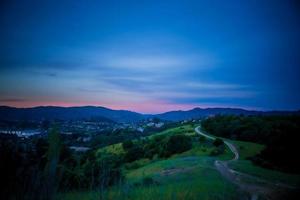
x,y
202,139
127,145
218,142
134,153
176,144
217,151
147,181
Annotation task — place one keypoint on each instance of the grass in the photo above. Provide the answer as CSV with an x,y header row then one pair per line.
x,y
248,167
194,190
118,149
184,129
205,148
154,169
177,178
246,149
249,149
200,183
78,195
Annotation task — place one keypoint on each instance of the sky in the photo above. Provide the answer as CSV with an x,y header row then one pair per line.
x,y
150,56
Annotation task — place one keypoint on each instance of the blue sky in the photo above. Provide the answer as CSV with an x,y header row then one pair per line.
x,y
150,56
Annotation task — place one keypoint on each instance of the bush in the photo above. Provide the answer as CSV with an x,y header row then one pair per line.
x,y
147,181
217,151
134,153
218,142
127,145
202,139
176,144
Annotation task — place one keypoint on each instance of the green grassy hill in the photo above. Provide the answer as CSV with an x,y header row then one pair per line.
x,y
187,175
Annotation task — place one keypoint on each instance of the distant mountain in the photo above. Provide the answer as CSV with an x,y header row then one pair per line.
x,y
67,113
93,112
197,113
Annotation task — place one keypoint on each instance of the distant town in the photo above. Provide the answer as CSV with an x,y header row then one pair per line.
x,y
81,134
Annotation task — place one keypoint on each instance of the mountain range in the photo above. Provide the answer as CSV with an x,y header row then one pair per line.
x,y
125,116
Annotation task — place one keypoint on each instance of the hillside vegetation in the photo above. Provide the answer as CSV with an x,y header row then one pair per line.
x,y
173,164
279,134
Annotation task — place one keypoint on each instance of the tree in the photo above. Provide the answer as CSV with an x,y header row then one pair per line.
x,y
53,155
134,153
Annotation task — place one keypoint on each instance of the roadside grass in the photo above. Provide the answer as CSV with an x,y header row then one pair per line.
x,y
205,148
247,149
246,166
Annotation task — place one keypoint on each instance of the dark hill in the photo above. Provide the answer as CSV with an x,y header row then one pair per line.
x,y
67,113
197,113
93,112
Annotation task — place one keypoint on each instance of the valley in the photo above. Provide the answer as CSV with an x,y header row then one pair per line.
x,y
176,160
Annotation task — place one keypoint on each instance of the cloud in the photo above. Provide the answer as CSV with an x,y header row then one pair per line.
x,y
148,63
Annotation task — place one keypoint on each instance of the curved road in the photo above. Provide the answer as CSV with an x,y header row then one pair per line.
x,y
230,146
257,187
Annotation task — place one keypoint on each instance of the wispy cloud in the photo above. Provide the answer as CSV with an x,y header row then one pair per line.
x,y
158,62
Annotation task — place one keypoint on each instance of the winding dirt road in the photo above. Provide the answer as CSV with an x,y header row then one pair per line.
x,y
254,186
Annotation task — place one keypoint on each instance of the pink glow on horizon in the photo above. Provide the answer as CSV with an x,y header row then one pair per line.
x,y
144,107
153,107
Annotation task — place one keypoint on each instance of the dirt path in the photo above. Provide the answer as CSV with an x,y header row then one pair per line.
x,y
254,186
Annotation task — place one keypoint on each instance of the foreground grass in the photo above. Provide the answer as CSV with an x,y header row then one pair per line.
x,y
176,178
181,178
171,168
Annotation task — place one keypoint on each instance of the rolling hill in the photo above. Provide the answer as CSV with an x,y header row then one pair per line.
x,y
85,112
67,113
